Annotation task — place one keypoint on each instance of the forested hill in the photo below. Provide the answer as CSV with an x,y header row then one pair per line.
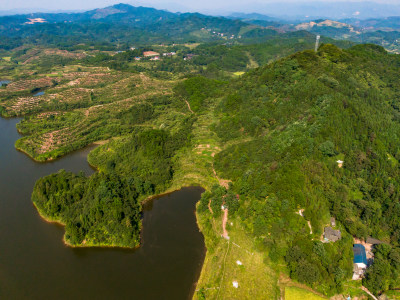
x,y
276,133
298,116
122,24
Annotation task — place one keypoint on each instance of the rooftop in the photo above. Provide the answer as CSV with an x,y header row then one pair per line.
x,y
360,255
332,234
373,241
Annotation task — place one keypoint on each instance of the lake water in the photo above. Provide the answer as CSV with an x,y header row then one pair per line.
x,y
38,94
35,264
4,82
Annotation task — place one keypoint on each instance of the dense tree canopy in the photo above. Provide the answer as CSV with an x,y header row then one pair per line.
x,y
100,210
304,113
285,126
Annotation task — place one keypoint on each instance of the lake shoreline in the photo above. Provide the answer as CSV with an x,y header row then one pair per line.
x,y
66,243
174,188
170,239
151,198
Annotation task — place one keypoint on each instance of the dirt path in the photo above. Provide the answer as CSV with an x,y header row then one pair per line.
x,y
368,292
223,182
189,107
224,221
209,207
223,270
309,225
300,212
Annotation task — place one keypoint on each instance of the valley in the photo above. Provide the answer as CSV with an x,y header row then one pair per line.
x,y
283,140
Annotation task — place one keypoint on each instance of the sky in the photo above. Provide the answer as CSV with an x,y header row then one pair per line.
x,y
273,7
190,4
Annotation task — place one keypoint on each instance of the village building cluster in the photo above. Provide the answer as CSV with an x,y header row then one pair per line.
x,y
220,34
153,56
362,250
156,56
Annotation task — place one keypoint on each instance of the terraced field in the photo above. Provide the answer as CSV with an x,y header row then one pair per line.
x,y
35,54
80,105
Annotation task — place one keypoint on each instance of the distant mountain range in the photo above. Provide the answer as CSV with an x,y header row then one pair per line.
x,y
127,25
291,11
384,32
389,23
123,24
381,31
283,10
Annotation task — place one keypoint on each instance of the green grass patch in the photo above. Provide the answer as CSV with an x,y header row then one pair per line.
x,y
295,293
395,295
353,289
255,277
392,160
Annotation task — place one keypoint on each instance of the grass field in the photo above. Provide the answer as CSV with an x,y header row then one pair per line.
x,y
295,293
395,295
353,289
256,280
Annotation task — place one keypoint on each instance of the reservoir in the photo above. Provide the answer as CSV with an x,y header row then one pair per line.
x,y
35,263
4,82
38,94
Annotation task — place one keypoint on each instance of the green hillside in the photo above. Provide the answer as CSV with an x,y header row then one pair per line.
x,y
298,116
274,136
119,26
252,115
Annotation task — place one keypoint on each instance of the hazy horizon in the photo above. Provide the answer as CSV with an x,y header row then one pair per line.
x,y
287,8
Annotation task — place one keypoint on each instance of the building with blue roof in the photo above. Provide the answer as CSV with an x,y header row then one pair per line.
x,y
360,256
360,261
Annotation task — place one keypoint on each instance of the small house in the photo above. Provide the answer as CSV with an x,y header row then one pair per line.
x,y
373,241
333,222
331,234
189,56
340,163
